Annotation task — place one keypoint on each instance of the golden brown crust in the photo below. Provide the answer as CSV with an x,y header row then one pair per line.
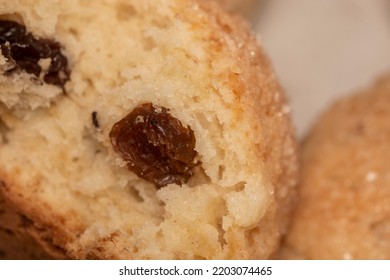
x,y
16,241
239,6
260,96
345,189
37,232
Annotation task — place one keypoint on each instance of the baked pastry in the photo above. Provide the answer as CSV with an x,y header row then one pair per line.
x,y
164,136
15,240
344,208
240,6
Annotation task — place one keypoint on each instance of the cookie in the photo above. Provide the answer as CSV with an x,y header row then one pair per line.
x,y
167,137
239,6
344,194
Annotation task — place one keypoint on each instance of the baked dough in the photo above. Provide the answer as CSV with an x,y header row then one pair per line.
x,y
239,6
344,208
202,66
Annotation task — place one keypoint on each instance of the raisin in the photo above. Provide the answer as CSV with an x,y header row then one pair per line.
x,y
95,121
11,31
25,51
155,145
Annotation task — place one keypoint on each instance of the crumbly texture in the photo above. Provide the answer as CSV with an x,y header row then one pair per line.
x,y
60,171
344,208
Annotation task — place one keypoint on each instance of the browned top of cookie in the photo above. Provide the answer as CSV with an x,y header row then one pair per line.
x,y
344,204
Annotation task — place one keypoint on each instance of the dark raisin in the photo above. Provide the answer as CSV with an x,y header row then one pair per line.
x,y
26,58
155,145
25,51
11,31
95,121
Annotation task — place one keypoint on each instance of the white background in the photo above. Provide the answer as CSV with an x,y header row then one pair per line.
x,y
324,49
109,270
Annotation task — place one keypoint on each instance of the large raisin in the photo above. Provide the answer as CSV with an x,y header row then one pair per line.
x,y
25,51
155,145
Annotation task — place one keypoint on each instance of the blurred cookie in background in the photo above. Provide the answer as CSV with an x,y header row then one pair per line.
x,y
344,209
